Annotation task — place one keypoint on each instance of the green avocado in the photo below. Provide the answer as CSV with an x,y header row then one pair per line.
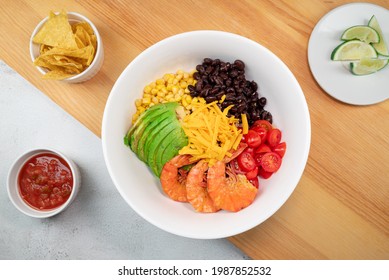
x,y
159,143
177,142
151,132
145,118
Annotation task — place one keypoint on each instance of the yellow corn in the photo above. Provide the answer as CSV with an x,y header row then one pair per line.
x,y
171,87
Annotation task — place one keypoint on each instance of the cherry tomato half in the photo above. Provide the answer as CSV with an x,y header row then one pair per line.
x,y
264,174
261,131
258,158
253,138
280,149
246,161
263,123
271,162
255,182
263,148
253,173
274,137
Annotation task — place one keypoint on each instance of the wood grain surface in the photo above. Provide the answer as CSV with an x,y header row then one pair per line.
x,y
339,209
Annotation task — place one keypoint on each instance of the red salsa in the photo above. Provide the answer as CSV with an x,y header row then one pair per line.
x,y
45,181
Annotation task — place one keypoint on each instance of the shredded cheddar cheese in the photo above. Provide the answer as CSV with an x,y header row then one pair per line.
x,y
211,134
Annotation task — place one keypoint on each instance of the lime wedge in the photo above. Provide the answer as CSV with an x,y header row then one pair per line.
x,y
361,32
367,66
353,50
381,46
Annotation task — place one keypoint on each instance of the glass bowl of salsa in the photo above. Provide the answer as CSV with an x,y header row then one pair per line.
x,y
43,182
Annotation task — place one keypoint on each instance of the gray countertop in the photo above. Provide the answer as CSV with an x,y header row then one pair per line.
x,y
98,224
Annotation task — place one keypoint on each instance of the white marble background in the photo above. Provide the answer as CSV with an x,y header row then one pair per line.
x,y
98,224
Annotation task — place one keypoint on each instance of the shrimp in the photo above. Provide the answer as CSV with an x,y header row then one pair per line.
x,y
173,177
229,191
196,189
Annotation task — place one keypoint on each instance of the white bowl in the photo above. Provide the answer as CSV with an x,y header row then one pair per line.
x,y
13,185
285,100
97,62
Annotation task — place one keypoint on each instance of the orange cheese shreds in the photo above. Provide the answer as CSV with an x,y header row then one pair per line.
x,y
211,134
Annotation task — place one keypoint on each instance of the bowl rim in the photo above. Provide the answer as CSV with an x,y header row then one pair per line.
x,y
12,183
96,58
304,155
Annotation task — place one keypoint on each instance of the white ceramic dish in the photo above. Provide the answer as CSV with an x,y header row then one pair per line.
x,y
13,187
334,76
95,66
135,182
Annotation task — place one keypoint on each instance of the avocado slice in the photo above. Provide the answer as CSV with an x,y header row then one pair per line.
x,y
159,143
145,118
150,132
177,142
157,133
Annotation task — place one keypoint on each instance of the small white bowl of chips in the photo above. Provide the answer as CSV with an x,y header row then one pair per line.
x,y
67,47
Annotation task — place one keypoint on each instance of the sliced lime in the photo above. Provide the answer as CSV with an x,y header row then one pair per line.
x,y
361,32
380,47
353,50
367,66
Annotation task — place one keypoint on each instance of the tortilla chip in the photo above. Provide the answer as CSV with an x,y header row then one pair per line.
x,y
65,49
56,32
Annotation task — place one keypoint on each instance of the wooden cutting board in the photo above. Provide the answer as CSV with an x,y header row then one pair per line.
x,y
339,209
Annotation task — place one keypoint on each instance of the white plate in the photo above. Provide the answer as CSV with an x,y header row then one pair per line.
x,y
135,182
333,76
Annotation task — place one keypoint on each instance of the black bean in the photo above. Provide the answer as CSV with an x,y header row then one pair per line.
x,y
207,60
216,61
210,98
200,69
262,101
223,75
208,70
199,85
219,80
241,107
239,64
216,78
233,73
214,91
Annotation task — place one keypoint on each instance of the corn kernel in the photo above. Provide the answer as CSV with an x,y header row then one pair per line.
x,y
147,89
146,100
181,91
170,81
169,87
166,77
175,89
138,102
180,72
186,90
183,84
186,76
190,81
179,77
160,82
141,109
155,100
159,87
161,93
175,81
154,91
177,98
152,85
188,99
184,103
